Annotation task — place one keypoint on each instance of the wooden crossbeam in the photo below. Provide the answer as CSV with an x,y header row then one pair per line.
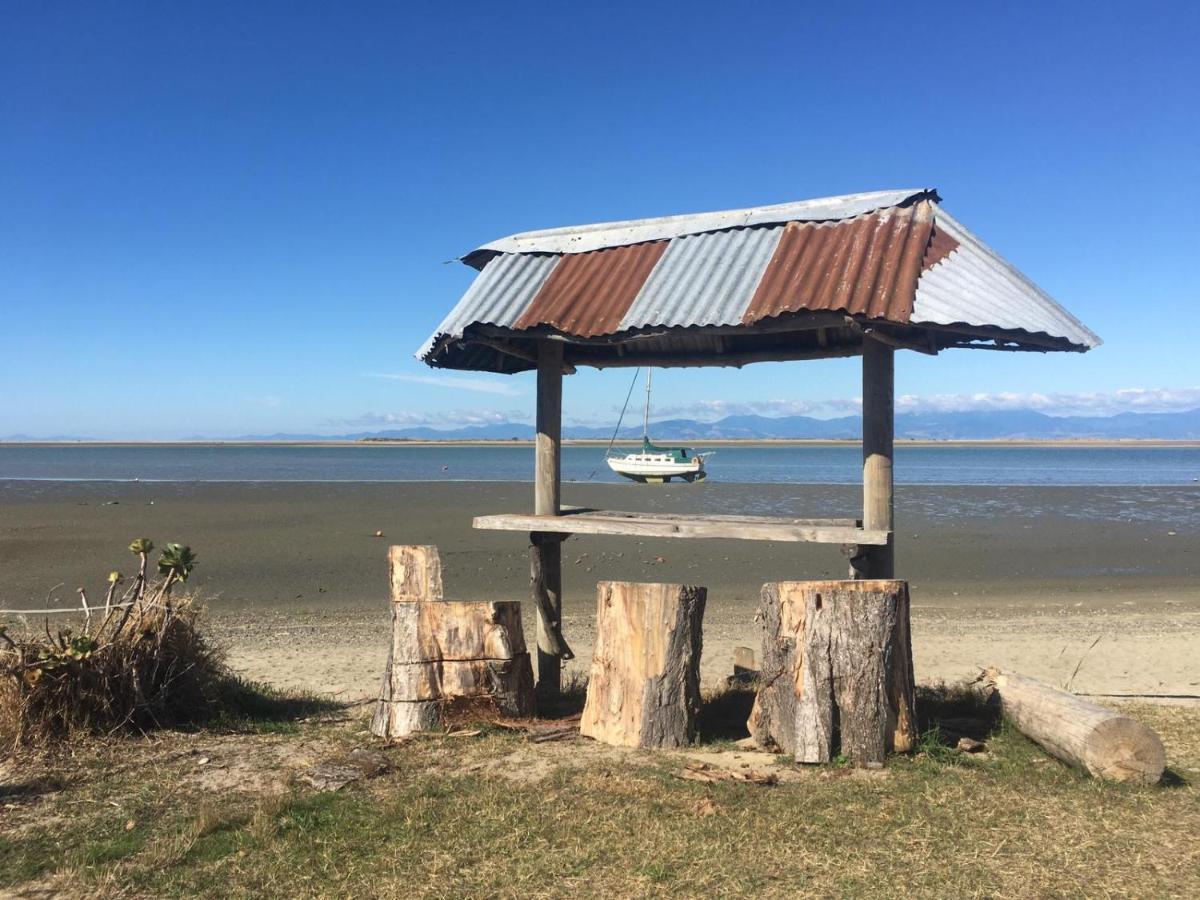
x,y
750,528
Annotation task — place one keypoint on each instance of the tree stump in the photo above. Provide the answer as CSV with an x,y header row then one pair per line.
x,y
448,656
1092,737
644,686
415,573
836,671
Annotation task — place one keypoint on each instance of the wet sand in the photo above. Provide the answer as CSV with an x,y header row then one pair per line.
x,y
1025,578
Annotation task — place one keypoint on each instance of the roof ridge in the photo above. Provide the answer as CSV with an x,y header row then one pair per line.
x,y
601,235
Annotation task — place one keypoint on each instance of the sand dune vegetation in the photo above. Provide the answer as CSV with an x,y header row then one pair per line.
x,y
134,662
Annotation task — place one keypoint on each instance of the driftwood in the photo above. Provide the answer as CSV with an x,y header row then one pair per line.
x,y
644,687
836,671
1105,743
448,655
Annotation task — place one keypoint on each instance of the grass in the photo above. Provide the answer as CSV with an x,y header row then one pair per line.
x,y
493,815
241,705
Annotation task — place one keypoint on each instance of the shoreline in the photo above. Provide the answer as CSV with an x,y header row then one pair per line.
x,y
1052,443
1107,485
295,579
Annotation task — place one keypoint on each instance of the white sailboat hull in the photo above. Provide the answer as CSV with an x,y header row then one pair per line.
x,y
652,463
656,466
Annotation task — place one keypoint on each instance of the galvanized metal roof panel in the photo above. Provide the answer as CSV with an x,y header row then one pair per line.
x,y
704,279
585,238
974,285
497,296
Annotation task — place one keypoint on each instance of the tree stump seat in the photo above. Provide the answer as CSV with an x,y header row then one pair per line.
x,y
837,673
447,655
644,685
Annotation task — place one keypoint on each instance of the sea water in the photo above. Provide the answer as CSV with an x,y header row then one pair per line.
x,y
750,463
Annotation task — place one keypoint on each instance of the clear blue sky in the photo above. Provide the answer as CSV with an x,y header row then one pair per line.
x,y
223,219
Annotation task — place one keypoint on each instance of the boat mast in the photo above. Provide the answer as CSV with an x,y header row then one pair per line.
x,y
646,416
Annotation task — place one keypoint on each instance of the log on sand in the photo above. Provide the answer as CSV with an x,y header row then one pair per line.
x,y
836,670
1104,742
644,686
447,656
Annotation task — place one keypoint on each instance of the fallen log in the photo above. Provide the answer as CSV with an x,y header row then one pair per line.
x,y
1104,742
644,686
836,671
448,656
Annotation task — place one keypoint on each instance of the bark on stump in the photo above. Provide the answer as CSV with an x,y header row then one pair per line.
x,y
447,656
644,686
836,670
1092,737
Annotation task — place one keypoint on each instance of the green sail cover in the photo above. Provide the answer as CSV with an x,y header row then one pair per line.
x,y
679,454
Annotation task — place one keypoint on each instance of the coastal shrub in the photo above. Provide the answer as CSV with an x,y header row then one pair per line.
x,y
139,660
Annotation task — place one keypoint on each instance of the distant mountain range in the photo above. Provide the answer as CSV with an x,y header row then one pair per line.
x,y
937,426
999,425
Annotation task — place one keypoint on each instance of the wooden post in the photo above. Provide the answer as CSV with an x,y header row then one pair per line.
x,y
878,440
546,549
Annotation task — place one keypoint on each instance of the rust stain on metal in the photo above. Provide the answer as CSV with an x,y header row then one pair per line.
x,y
588,294
940,246
864,266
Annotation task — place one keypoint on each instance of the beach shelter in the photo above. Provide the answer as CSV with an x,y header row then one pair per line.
x,y
855,275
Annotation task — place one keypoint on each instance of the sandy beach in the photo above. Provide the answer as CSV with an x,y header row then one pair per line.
x,y
1095,586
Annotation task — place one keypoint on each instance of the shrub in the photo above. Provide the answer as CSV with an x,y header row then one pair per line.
x,y
139,661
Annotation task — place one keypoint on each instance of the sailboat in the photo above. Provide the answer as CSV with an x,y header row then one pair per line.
x,y
654,463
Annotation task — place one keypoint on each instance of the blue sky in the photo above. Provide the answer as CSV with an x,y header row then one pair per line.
x,y
220,219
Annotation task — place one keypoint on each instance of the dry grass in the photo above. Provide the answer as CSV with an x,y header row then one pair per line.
x,y
493,815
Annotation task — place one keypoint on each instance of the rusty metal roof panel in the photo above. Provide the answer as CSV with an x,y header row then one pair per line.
x,y
588,294
704,279
585,238
973,285
865,266
497,296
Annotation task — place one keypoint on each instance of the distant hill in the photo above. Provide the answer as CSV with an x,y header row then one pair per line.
x,y
935,426
1008,424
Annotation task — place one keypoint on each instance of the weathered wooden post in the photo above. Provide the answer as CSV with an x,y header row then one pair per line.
x,y
878,445
545,554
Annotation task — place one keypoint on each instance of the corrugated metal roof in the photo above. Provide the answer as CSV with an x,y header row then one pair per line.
x,y
705,279
867,266
588,294
908,266
497,296
585,238
974,285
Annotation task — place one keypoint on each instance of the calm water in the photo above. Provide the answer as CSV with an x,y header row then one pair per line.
x,y
775,465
